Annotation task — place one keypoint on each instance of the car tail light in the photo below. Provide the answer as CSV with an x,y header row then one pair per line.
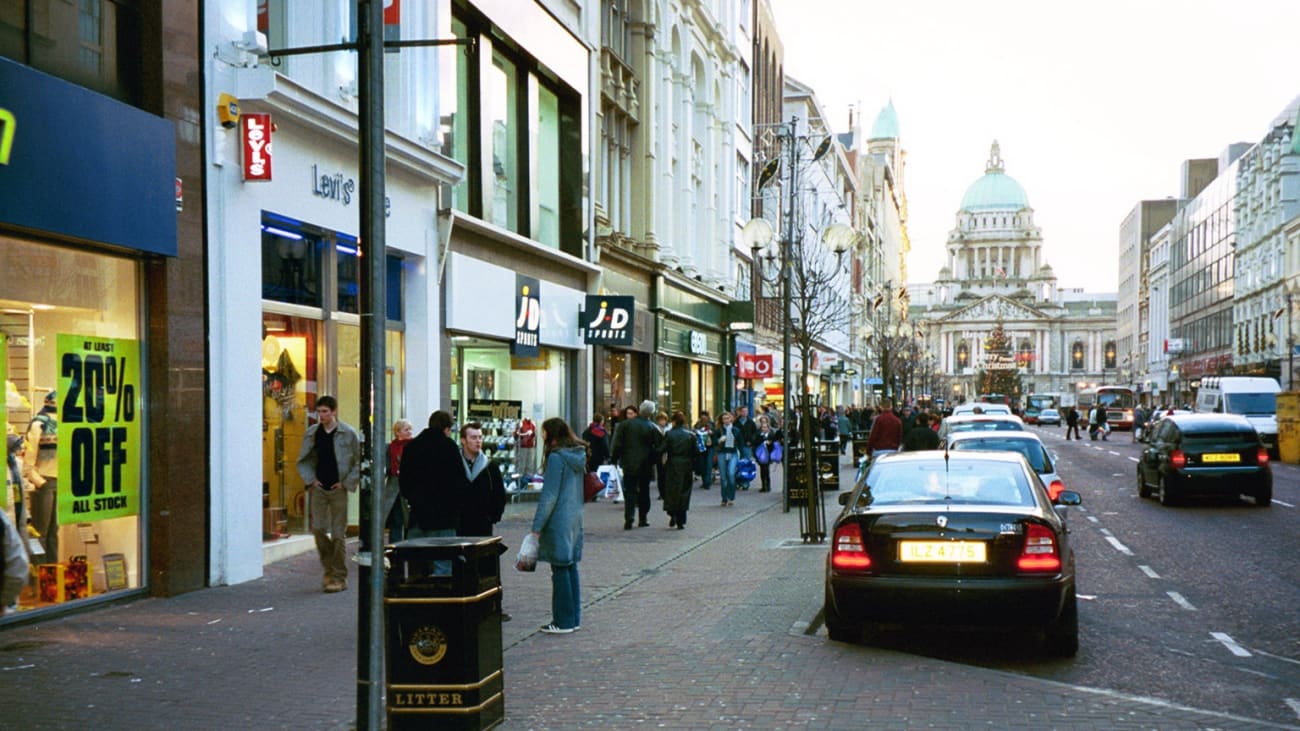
x,y
1177,459
848,553
1055,489
1040,553
1262,456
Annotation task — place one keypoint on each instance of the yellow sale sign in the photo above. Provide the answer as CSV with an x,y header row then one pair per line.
x,y
99,445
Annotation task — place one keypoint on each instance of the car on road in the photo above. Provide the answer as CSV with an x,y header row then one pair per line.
x,y
1040,458
985,408
1049,416
952,538
1154,420
979,422
1205,454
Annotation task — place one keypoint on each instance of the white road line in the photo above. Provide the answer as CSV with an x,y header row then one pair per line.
x,y
1229,643
1180,601
1112,540
1133,459
1150,572
1293,661
1293,704
1106,532
1093,518
1113,452
1279,502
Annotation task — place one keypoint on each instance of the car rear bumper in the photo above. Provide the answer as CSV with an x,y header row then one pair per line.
x,y
1220,480
973,601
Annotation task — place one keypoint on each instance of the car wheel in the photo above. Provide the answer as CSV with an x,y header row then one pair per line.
x,y
1061,636
1167,497
836,629
1144,490
1264,496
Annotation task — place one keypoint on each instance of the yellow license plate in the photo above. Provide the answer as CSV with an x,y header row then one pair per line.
x,y
941,551
1220,457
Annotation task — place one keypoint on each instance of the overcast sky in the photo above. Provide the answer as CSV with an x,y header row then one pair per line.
x,y
1095,105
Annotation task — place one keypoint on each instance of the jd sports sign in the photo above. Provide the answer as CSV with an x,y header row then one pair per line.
x,y
607,320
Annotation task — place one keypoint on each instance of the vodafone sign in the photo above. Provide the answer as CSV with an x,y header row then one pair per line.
x,y
749,365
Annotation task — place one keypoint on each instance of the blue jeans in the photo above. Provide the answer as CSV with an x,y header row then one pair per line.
x,y
727,473
566,597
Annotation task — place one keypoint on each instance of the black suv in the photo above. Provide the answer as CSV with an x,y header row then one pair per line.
x,y
1205,454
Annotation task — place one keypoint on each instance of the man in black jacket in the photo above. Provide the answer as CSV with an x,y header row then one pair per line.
x,y
637,444
485,493
433,480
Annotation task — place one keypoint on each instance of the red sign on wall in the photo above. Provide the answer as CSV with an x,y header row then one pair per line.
x,y
255,144
392,12
749,365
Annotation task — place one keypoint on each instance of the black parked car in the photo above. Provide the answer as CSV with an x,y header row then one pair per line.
x,y
1205,454
952,538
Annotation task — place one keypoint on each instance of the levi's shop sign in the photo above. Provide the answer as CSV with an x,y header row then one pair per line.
x,y
255,146
99,447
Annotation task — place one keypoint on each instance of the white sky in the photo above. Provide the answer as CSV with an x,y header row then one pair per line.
x,y
1095,104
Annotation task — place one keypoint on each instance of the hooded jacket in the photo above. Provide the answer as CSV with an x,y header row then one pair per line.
x,y
558,520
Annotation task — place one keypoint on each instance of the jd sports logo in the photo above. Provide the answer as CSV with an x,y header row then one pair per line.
x,y
607,320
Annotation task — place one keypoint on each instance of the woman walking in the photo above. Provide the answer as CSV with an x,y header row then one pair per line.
x,y
727,441
767,438
679,444
557,524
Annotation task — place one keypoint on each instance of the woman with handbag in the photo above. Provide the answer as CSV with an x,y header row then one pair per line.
x,y
557,524
768,445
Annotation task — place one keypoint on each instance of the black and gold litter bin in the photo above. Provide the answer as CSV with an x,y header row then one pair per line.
x,y
443,633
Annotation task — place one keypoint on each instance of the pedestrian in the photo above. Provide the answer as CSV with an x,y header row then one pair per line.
x,y
17,566
1072,423
727,440
661,458
845,428
886,431
636,445
329,463
679,449
43,456
485,492
748,430
597,438
1139,421
920,436
1097,422
432,481
392,507
704,457
23,478
526,448
769,437
557,524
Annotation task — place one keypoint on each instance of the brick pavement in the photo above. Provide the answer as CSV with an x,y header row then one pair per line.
x,y
695,629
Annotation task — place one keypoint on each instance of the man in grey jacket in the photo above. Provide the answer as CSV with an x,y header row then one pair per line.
x,y
330,465
637,445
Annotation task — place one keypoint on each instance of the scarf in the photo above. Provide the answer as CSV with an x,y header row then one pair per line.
x,y
480,464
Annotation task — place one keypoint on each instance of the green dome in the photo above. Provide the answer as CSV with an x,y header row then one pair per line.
x,y
996,190
886,126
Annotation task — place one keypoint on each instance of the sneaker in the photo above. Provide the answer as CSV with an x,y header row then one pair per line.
x,y
551,629
362,557
333,587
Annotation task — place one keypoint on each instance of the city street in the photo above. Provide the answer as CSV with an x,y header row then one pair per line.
x,y
717,627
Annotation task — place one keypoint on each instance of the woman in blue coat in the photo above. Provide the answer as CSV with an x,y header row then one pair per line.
x,y
558,521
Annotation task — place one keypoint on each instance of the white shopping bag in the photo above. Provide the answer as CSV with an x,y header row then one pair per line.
x,y
613,479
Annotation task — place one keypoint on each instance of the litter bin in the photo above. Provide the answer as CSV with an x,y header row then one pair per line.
x,y
443,658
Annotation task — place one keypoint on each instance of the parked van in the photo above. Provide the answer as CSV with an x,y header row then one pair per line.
x,y
1251,396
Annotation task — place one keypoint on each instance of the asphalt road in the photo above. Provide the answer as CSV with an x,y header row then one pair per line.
x,y
1197,605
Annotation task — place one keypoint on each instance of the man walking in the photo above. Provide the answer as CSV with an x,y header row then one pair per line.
x,y
1072,423
330,465
637,443
886,431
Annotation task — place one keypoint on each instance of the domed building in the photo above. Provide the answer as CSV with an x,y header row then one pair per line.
x,y
995,273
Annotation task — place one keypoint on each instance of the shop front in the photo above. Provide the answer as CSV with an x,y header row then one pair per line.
x,y
621,360
84,211
689,368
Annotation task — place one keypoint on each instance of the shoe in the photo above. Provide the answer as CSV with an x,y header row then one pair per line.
x,y
766,489
672,522
505,617
334,587
362,557
731,503
551,629
627,525
643,524
681,526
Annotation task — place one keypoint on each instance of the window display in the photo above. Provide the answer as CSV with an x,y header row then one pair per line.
x,y
72,364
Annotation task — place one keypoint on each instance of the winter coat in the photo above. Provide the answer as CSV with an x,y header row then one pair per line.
x,y
558,520
597,439
347,452
433,481
680,445
484,500
637,444
720,439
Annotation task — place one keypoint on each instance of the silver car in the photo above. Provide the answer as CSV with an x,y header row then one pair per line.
x,y
1026,443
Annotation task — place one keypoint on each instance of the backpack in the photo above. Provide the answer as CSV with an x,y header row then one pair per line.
x,y
700,446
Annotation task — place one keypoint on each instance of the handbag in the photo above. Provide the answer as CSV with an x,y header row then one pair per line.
x,y
591,486
777,453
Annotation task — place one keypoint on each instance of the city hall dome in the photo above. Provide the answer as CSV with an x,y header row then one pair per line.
x,y
886,125
996,190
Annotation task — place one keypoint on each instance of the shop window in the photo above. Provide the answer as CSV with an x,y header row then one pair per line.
x,y
69,319
547,228
1076,356
291,262
504,184
349,274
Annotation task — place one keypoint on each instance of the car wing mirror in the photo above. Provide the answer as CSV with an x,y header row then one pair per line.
x,y
844,498
1068,497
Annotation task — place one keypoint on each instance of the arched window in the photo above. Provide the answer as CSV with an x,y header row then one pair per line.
x,y
1076,356
1110,355
1025,356
963,355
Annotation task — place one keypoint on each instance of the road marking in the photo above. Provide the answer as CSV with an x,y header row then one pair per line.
x,y
1278,657
1279,502
1112,540
1150,572
1093,518
1111,451
1133,459
1106,532
1180,601
1293,704
1229,643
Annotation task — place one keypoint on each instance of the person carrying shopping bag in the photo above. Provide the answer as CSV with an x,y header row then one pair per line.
x,y
557,524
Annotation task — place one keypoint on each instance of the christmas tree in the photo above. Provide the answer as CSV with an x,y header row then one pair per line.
x,y
998,373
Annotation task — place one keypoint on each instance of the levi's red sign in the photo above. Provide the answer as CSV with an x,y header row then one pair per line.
x,y
255,143
392,12
753,366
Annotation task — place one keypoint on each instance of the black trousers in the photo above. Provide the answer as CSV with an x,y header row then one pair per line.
x,y
636,493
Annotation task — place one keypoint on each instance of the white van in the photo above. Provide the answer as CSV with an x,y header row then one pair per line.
x,y
1251,396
